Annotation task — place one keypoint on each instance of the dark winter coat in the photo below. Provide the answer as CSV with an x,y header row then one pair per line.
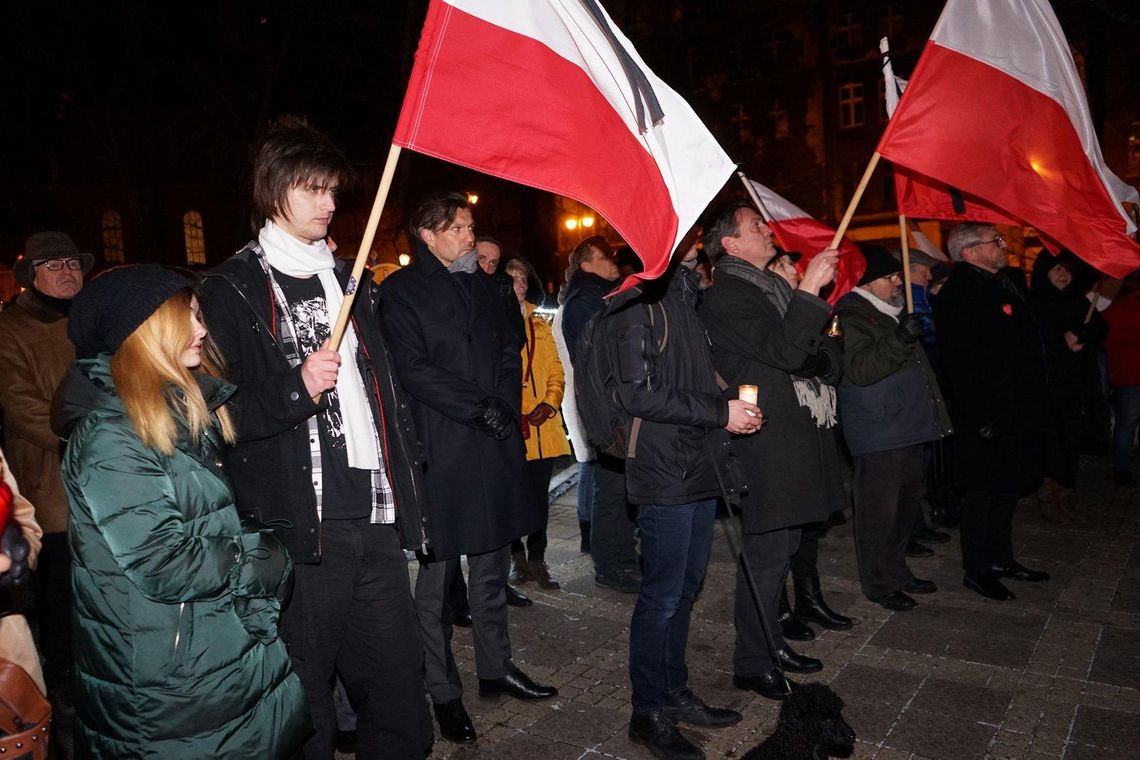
x,y
175,606
453,345
681,442
995,373
270,465
585,294
889,397
792,466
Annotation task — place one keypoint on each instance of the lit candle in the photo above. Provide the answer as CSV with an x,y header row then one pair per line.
x,y
748,393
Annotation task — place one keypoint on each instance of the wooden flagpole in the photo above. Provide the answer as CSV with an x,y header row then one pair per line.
x,y
904,236
755,198
1095,298
855,199
365,246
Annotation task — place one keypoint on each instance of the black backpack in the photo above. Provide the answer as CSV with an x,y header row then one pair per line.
x,y
609,427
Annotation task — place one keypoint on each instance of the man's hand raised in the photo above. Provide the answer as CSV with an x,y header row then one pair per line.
x,y
820,271
319,369
743,418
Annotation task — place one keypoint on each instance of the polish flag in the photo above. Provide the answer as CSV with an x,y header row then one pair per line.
x,y
542,92
795,230
995,108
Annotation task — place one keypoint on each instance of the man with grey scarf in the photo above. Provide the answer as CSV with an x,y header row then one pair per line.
x,y
766,334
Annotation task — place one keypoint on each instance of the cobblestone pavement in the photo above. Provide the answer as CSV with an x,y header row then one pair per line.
x,y
1054,673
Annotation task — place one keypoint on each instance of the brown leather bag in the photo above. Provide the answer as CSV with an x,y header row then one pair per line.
x,y
25,715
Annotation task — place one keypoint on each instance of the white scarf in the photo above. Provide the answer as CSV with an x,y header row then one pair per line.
x,y
886,308
294,258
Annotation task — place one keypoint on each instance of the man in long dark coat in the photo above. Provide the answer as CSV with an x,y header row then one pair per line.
x,y
765,334
995,369
458,355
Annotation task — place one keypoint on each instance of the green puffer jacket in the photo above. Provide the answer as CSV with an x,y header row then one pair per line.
x,y
175,606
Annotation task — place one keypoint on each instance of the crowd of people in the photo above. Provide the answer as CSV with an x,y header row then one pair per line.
x,y
219,500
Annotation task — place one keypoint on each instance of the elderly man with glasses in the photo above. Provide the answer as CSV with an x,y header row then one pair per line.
x,y
992,354
36,354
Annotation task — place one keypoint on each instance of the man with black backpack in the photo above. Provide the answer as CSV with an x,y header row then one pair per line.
x,y
594,274
678,462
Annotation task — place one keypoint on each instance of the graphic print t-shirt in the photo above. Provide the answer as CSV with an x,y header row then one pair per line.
x,y
346,492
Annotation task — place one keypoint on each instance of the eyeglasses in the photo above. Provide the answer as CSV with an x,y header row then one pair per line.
x,y
999,241
56,265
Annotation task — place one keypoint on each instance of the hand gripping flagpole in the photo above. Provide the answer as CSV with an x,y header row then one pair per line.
x,y
362,253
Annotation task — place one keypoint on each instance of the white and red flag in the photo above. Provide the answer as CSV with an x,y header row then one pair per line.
x,y
995,108
796,230
549,93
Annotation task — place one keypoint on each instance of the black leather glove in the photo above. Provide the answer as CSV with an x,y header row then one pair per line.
x,y
494,417
909,328
16,547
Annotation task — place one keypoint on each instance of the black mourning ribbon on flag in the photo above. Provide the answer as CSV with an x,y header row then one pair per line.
x,y
638,82
956,199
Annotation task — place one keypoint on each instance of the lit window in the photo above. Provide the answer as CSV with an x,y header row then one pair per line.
x,y
113,236
195,240
851,105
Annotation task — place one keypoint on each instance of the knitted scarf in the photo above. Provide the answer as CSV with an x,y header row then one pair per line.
x,y
811,394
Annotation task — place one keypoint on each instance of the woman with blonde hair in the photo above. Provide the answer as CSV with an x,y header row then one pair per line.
x,y
176,605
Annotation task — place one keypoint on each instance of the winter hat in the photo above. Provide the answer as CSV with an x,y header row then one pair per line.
x,y
917,257
114,304
879,264
44,246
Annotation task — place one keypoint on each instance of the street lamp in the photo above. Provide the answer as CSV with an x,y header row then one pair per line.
x,y
405,259
574,222
472,198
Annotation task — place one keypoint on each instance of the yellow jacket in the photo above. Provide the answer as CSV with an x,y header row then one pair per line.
x,y
543,381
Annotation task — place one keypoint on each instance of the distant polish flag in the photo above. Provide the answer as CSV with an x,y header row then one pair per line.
x,y
795,230
996,109
549,93
921,197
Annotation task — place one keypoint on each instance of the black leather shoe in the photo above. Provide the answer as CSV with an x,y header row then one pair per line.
x,y
988,585
516,684
810,606
896,600
772,685
462,618
915,549
658,733
929,535
798,663
516,598
1020,572
454,722
919,586
687,707
625,581
792,628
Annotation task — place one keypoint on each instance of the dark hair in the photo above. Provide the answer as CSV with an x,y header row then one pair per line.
x,y
486,239
581,251
290,153
725,225
625,257
435,211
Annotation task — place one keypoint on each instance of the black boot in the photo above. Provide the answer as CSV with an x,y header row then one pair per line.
x,y
584,526
792,629
810,605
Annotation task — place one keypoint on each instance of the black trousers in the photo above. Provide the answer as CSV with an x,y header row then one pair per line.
x,y
767,555
888,494
611,526
538,472
987,529
804,563
352,615
53,609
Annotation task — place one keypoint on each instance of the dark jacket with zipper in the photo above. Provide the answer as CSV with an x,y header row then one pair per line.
x,y
889,397
682,451
454,344
270,464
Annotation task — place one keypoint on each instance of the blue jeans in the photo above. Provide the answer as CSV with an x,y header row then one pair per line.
x,y
675,544
1126,419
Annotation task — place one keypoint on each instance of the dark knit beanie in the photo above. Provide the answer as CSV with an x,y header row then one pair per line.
x,y
114,304
879,263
